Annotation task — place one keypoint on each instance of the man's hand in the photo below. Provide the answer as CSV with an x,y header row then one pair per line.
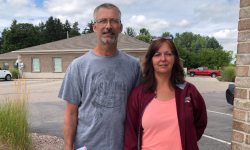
x,y
69,126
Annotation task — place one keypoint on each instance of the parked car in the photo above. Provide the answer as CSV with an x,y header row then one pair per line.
x,y
204,71
230,93
5,74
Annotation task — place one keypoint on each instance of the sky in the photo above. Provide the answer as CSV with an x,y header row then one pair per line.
x,y
218,18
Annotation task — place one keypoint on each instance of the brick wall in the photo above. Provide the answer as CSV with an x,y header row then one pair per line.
x,y
46,64
46,61
10,61
241,113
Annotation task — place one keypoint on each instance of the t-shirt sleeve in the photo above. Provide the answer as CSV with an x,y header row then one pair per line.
x,y
70,90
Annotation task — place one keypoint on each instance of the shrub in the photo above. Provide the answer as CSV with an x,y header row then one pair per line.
x,y
228,74
14,73
14,114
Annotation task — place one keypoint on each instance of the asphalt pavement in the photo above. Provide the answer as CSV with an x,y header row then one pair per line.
x,y
217,135
47,110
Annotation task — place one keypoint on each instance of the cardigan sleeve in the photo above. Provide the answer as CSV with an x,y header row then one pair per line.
x,y
200,114
131,125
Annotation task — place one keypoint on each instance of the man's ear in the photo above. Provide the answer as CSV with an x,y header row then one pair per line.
x,y
94,27
121,27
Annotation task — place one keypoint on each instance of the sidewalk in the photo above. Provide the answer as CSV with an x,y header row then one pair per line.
x,y
209,85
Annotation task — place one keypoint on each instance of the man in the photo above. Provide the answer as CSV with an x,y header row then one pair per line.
x,y
96,87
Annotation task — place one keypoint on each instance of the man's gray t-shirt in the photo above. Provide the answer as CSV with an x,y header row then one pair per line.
x,y
100,85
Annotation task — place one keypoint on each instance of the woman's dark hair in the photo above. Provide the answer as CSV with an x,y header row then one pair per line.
x,y
177,75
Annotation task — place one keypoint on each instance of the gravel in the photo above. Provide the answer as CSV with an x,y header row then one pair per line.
x,y
47,142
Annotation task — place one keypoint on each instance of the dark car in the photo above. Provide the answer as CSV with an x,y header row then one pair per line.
x,y
230,93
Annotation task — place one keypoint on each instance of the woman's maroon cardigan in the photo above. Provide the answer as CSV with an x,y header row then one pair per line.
x,y
191,111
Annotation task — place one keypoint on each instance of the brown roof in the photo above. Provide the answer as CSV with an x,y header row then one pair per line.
x,y
87,42
8,56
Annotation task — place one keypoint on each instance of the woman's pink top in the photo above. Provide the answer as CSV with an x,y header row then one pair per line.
x,y
161,128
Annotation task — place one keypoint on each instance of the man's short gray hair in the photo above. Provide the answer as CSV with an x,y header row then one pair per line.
x,y
107,6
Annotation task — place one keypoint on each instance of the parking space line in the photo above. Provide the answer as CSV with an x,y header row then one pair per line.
x,y
216,139
219,113
44,84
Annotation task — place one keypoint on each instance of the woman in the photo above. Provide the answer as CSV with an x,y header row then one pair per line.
x,y
165,112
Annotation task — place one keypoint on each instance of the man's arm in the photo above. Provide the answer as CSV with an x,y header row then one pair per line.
x,y
69,126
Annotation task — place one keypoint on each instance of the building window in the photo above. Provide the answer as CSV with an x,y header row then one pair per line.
x,y
137,58
35,64
57,64
15,65
5,66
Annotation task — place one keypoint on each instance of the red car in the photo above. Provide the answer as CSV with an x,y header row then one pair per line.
x,y
204,71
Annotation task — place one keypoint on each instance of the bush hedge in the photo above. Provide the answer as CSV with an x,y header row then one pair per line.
x,y
14,73
228,74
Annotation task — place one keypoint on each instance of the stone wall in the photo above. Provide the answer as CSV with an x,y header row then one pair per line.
x,y
241,113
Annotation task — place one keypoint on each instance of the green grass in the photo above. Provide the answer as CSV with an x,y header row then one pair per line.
x,y
228,74
15,73
14,114
219,78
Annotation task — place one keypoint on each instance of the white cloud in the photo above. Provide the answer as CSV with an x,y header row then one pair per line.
x,y
225,34
19,3
4,23
64,7
125,2
218,12
183,23
155,26
227,38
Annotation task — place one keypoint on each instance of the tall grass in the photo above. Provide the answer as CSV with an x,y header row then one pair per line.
x,y
14,114
228,74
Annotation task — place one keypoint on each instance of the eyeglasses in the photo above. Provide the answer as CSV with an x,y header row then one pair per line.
x,y
166,37
103,22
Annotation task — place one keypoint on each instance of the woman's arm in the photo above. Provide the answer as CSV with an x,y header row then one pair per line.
x,y
131,125
200,115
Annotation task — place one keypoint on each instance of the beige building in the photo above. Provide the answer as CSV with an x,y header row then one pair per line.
x,y
241,113
51,60
8,60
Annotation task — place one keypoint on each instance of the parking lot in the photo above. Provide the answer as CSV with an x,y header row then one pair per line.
x,y
47,110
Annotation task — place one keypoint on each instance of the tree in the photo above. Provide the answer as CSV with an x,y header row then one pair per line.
x,y
144,38
67,26
54,30
89,28
211,58
60,34
20,36
3,33
222,57
205,57
144,31
213,43
130,32
185,39
41,28
189,57
197,47
50,32
74,31
166,34
14,22
199,43
144,35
